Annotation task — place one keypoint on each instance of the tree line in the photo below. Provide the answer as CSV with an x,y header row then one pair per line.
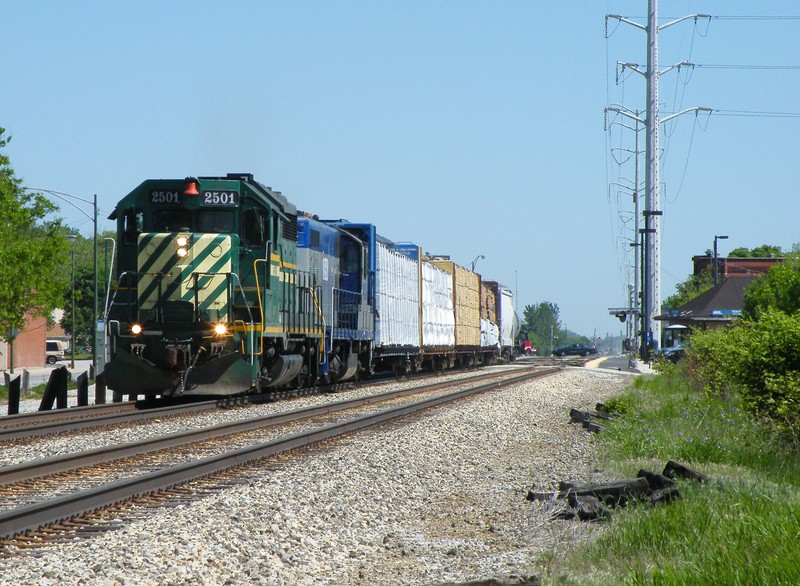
x,y
37,260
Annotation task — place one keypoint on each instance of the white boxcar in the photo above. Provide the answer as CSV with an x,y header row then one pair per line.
x,y
438,316
396,299
490,334
509,322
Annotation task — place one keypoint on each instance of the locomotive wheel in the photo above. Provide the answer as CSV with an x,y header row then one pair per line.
x,y
302,380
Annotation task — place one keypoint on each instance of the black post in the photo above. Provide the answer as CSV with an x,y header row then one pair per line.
x,y
83,390
56,389
13,394
100,389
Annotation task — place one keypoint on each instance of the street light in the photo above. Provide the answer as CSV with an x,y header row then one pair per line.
x,y
71,238
62,196
716,256
475,261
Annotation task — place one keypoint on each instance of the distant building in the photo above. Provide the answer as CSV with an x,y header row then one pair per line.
x,y
29,346
735,266
716,307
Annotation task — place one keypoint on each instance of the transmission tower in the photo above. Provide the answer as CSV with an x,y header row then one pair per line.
x,y
651,281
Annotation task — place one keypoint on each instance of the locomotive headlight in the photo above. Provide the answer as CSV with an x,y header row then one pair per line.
x,y
220,329
182,242
136,329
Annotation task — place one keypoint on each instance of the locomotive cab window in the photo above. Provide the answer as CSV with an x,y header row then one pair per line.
x,y
133,225
215,221
351,253
254,227
172,221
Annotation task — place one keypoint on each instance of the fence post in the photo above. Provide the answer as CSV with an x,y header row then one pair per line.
x,y
100,389
13,394
56,389
83,389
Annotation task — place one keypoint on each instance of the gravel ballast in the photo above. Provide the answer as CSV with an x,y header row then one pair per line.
x,y
438,498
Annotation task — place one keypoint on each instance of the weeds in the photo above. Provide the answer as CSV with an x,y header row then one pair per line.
x,y
740,528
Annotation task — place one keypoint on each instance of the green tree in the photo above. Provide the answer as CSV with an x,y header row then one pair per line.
x,y
33,251
82,330
693,286
779,289
541,322
763,251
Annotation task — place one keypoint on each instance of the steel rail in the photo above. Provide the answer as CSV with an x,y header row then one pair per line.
x,y
21,419
35,515
103,420
41,423
68,462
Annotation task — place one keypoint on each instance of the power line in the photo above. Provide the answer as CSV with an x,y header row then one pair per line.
x,y
753,114
741,17
757,67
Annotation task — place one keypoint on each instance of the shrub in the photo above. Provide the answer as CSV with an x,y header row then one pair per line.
x,y
759,359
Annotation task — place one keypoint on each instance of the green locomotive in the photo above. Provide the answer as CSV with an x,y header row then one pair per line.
x,y
208,296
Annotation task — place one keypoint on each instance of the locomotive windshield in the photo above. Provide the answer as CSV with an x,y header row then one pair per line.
x,y
172,220
179,220
215,221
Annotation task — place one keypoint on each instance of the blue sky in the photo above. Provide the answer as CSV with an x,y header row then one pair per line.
x,y
470,128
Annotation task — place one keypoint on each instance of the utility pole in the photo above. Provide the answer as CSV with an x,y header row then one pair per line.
x,y
633,310
651,282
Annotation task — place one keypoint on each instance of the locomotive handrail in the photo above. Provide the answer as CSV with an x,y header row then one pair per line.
x,y
260,302
249,313
323,354
122,276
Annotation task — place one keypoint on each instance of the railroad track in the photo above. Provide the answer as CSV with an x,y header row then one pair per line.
x,y
29,482
42,423
57,421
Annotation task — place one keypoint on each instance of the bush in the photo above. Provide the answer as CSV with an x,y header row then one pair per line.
x,y
758,359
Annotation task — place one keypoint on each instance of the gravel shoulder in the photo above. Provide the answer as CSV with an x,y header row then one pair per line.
x,y
438,498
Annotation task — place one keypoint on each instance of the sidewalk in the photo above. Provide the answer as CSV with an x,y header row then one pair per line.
x,y
40,375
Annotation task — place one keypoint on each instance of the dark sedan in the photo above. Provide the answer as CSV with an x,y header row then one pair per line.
x,y
575,350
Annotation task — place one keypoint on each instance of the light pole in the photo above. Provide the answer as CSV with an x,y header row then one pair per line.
x,y
71,238
63,196
475,261
716,256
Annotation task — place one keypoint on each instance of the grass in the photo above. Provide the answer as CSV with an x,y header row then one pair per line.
x,y
742,527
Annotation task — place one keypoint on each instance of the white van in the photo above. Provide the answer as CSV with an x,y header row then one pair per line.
x,y
55,350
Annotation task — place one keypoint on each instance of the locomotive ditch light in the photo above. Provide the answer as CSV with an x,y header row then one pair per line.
x,y
182,242
136,329
220,329
190,186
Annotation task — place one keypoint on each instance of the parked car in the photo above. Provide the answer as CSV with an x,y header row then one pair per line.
x,y
575,350
54,350
672,353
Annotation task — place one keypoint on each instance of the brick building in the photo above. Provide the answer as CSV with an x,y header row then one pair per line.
x,y
735,266
29,346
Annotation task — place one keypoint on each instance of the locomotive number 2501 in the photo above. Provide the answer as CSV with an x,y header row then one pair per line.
x,y
165,197
219,198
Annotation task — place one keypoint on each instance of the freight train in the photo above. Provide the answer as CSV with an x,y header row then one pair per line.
x,y
223,287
